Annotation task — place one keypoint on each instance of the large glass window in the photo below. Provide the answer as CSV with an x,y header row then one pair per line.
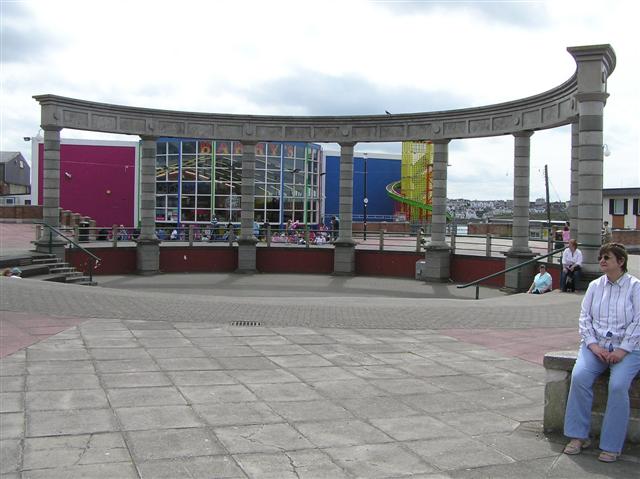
x,y
196,179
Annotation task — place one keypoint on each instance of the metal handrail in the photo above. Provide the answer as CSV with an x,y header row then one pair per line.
x,y
94,259
506,270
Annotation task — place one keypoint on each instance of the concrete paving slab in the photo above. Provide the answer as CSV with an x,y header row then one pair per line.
x,y
379,461
157,417
94,471
261,438
74,421
38,400
223,467
173,443
67,451
291,465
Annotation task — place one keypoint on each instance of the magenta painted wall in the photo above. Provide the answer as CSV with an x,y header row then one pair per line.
x,y
101,184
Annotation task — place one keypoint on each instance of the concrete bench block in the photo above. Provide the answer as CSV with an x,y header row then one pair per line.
x,y
558,367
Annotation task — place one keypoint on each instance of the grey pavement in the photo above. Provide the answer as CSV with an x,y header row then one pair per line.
x,y
344,378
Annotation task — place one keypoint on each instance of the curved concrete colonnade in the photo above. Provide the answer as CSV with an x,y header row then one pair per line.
x,y
579,101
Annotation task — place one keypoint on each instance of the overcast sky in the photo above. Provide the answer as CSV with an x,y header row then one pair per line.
x,y
329,57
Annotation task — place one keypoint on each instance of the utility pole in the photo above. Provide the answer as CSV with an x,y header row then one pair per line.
x,y
546,187
366,199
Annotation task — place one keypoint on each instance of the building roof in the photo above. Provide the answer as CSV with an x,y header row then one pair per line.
x,y
610,192
7,156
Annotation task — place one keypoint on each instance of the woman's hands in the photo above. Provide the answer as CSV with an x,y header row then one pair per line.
x,y
607,357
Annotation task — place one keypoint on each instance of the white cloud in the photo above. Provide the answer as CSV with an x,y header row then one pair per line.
x,y
245,56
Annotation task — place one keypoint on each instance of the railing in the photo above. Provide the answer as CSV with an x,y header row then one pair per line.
x,y
313,236
93,259
477,282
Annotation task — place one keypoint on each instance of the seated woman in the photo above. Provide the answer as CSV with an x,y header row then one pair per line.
x,y
609,326
542,282
571,266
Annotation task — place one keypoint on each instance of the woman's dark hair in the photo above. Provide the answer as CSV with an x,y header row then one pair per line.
x,y
618,250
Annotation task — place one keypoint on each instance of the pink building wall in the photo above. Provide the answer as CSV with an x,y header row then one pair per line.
x,y
96,181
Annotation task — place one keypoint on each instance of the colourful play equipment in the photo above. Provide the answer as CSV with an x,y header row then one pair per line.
x,y
413,193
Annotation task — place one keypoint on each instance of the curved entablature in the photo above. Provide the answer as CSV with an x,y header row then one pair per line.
x,y
550,109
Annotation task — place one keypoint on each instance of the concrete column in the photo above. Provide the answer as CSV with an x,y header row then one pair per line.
x,y
344,252
50,242
520,279
439,194
148,244
590,179
595,63
575,155
437,259
246,241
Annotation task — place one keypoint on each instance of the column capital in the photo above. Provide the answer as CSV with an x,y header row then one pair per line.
x,y
348,144
148,138
523,134
443,141
51,128
250,142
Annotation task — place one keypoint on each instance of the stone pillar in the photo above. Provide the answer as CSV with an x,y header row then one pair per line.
x,y
437,259
520,279
344,253
51,242
246,241
595,64
590,174
148,244
575,154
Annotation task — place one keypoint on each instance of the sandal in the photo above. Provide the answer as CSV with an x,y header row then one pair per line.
x,y
608,456
575,446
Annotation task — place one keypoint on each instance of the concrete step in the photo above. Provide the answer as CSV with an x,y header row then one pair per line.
x,y
62,269
56,278
48,260
82,280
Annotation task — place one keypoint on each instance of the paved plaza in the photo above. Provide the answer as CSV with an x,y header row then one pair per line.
x,y
344,377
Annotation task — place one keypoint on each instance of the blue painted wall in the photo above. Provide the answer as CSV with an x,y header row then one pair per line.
x,y
380,172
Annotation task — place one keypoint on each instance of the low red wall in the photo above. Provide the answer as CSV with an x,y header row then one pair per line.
x,y
387,263
465,269
182,259
112,260
294,260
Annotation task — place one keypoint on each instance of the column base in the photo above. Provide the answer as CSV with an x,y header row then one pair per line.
x,y
518,280
344,258
148,256
55,247
436,267
247,255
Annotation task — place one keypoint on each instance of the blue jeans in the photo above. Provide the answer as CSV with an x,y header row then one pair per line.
x,y
563,278
577,418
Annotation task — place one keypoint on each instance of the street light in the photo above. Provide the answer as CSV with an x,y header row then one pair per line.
x,y
365,200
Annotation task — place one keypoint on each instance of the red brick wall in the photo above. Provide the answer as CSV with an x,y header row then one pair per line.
x,y
112,260
294,260
182,259
387,263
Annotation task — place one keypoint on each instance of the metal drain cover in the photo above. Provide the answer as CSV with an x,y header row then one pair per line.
x,y
246,323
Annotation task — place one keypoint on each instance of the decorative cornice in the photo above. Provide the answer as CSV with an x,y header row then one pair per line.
x,y
550,109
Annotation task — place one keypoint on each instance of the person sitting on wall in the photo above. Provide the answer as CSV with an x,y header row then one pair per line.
x,y
542,282
571,267
607,236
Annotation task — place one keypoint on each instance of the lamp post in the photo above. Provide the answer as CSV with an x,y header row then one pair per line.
x,y
365,200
